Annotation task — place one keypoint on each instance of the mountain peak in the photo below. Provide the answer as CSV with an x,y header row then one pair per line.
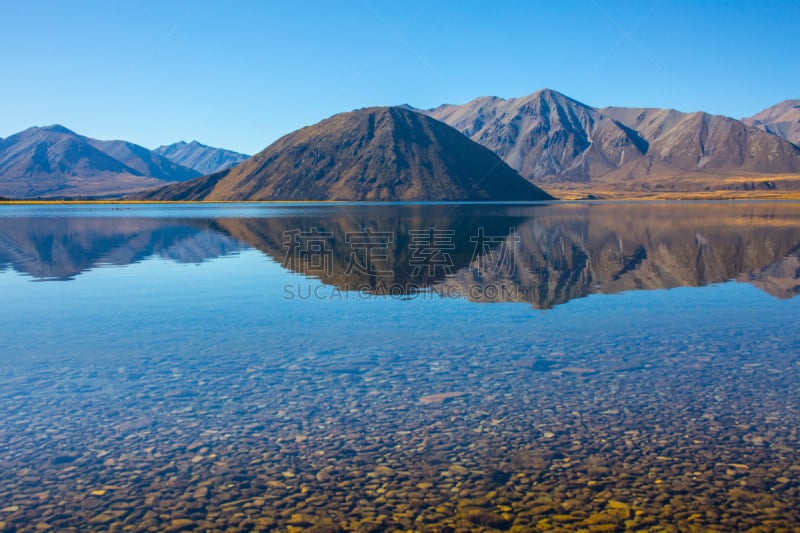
x,y
553,96
182,143
551,93
58,128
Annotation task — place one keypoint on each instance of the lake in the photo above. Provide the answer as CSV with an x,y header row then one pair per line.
x,y
425,367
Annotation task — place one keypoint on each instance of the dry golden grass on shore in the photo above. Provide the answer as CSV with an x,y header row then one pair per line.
x,y
689,187
572,195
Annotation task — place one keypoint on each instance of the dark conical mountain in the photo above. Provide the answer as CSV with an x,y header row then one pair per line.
x,y
197,156
54,161
373,154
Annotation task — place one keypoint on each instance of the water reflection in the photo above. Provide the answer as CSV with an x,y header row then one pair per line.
x,y
60,248
543,255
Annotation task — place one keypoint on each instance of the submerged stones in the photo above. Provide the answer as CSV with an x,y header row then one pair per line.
x,y
489,445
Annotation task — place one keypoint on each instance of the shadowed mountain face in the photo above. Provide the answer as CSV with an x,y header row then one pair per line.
x,y
543,255
377,154
57,162
550,139
781,119
199,157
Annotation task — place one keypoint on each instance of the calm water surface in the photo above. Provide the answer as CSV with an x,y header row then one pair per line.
x,y
345,367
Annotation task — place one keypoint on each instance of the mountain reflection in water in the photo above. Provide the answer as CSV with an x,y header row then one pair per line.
x,y
541,254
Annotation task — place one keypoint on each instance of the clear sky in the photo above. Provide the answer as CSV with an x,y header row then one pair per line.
x,y
239,74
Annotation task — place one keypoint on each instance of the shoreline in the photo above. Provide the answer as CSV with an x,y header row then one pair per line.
x,y
566,198
697,187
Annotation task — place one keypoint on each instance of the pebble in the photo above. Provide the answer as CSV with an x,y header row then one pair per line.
x,y
440,397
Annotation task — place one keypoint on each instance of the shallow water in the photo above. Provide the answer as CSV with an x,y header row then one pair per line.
x,y
400,367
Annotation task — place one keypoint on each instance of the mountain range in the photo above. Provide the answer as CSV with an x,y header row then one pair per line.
x,y
375,154
54,161
553,141
560,144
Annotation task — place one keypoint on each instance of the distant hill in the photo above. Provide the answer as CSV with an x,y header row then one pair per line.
x,y
781,119
380,154
552,139
204,159
54,161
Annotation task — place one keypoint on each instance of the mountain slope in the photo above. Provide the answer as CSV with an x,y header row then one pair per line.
x,y
378,154
781,119
204,159
55,161
552,140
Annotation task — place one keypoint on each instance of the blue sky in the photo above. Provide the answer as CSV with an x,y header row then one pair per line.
x,y
242,74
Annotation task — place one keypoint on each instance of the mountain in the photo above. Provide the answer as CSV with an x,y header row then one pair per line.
x,y
556,141
692,142
545,134
781,119
54,161
204,159
379,154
